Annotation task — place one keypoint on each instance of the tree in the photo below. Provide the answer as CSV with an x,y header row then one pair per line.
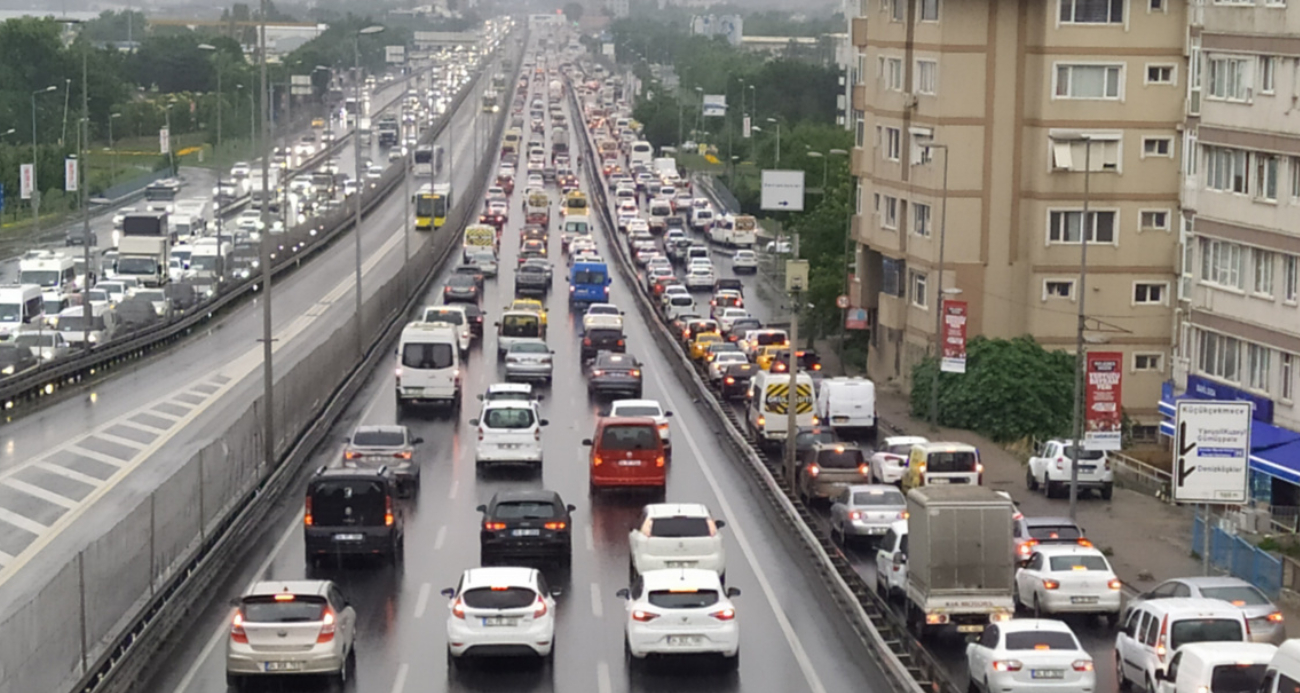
x,y
573,11
172,63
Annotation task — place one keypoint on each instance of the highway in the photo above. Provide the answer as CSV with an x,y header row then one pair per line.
x,y
793,636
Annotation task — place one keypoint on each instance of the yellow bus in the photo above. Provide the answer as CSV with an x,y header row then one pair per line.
x,y
432,203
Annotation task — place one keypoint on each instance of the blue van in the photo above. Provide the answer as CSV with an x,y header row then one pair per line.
x,y
588,283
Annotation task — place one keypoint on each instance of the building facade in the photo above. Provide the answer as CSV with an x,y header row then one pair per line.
x,y
1022,96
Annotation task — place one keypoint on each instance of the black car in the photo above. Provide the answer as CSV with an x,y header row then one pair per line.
x,y
460,288
740,327
475,315
15,359
614,374
675,221
603,339
728,284
735,380
353,512
471,271
525,524
809,361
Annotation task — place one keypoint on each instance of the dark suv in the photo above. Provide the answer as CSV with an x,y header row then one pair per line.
x,y
602,339
526,524
353,512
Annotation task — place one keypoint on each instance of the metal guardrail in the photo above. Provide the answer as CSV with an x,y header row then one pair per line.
x,y
1142,476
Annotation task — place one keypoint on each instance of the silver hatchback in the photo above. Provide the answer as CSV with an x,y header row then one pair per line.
x,y
291,628
385,446
865,511
529,359
1262,615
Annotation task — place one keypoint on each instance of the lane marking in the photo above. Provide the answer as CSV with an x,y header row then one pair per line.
x,y
604,683
422,601
442,534
796,647
5,558
597,609
591,539
119,440
143,427
68,473
21,522
399,683
43,494
451,492
98,457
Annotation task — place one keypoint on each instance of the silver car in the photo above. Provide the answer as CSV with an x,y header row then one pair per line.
x,y
386,446
529,359
291,628
865,510
1263,616
45,345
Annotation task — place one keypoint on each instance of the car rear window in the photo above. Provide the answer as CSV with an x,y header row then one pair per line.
x,y
268,609
454,317
498,597
951,462
358,502
673,527
508,417
524,510
1078,563
1238,678
379,438
629,438
695,599
1238,595
530,348
1055,532
1067,451
1190,630
1041,640
769,339
428,356
887,498
636,410
520,326
839,458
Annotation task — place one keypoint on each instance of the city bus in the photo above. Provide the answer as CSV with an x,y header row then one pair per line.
x,y
432,203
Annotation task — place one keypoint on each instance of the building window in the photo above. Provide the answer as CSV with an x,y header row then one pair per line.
x,y
1230,79
894,74
1288,376
1267,74
1156,5
1148,362
1227,170
1157,146
1101,155
860,128
875,202
921,219
1266,177
929,10
896,9
1220,356
1088,81
1153,220
890,213
1258,362
1160,74
927,77
1293,165
893,143
1221,264
1290,277
1063,226
1261,262
917,282
1149,293
1092,11
891,277
1058,288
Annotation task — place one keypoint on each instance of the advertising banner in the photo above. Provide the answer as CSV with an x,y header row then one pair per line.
x,y
25,183
1102,400
70,174
715,105
954,337
164,141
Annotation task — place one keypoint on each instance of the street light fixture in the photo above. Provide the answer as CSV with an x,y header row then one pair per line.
x,y
36,187
356,151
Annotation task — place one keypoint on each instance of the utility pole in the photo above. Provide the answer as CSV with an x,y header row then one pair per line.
x,y
938,297
792,395
1079,358
84,146
406,201
268,380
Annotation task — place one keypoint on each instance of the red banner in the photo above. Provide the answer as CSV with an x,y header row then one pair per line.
x,y
1103,401
954,337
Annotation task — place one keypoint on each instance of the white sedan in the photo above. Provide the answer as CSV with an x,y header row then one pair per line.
x,y
1031,655
648,408
499,610
718,366
890,460
744,261
1068,578
681,612
602,315
699,278
728,317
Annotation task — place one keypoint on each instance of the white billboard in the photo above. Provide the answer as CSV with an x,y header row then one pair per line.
x,y
715,105
395,54
1211,452
782,190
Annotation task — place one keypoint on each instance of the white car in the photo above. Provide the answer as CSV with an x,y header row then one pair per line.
x,y
680,612
602,315
116,289
729,316
645,407
676,535
889,462
455,316
508,432
699,278
374,172
1050,470
891,561
495,611
672,289
241,169
638,226
720,363
1031,655
744,261
249,220
291,628
1068,578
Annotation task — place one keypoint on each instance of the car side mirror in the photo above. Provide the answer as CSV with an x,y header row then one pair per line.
x,y
1160,675
448,593
481,509
473,422
480,398
416,441
668,413
733,591
719,523
496,324
541,397
544,422
571,507
586,442
624,593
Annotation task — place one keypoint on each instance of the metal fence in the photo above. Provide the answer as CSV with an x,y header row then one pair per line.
x,y
1140,476
1239,558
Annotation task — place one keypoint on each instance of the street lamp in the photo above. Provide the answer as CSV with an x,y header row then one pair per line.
x,y
826,164
216,160
938,293
699,115
356,150
112,173
36,187
777,123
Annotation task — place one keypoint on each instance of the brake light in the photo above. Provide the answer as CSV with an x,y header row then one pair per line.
x,y
659,461
855,515
644,616
814,470
586,341
494,526
458,608
620,342
730,380
1114,584
904,515
402,455
556,525
1082,665
1060,464
1007,665
1161,650
237,633
1027,547
762,420
724,615
1275,617
350,455
1050,584
306,516
598,372
1084,542
864,469
388,511
636,373
326,628
817,366
596,461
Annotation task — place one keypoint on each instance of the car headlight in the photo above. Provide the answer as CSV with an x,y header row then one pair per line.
x,y
94,338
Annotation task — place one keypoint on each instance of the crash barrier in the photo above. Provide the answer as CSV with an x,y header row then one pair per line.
x,y
1234,555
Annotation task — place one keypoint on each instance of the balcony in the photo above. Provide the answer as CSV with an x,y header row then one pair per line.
x,y
859,97
893,312
858,31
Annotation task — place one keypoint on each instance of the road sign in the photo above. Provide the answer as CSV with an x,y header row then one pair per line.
x,y
842,301
782,190
855,319
714,105
1211,452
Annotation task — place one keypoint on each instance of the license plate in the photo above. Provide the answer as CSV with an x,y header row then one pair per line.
x,y
1083,600
838,419
876,530
935,481
1087,468
629,463
1047,673
677,640
526,532
680,564
281,666
977,628
509,446
495,621
348,537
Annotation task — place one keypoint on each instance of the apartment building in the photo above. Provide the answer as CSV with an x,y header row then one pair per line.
x,y
1012,89
1239,318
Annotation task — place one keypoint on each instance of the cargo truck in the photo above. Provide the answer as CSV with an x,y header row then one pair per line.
x,y
145,248
960,559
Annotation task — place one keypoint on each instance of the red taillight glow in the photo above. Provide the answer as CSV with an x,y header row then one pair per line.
x,y
458,608
237,633
644,616
659,461
1082,665
1050,584
326,628
1027,547
855,514
814,470
541,608
388,511
556,525
1161,650
724,615
1007,665
730,380
1275,617
1114,584
350,455
402,455
864,469
306,516
494,526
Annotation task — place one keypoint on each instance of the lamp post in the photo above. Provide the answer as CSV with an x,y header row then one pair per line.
x,y
753,101
67,97
36,185
356,150
938,294
777,123
112,166
216,162
268,379
699,115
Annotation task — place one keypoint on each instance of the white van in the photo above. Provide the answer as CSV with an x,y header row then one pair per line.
x,y
846,403
766,411
20,304
677,305
56,274
642,152
428,365
701,219
454,316
1218,667
1283,673
1154,629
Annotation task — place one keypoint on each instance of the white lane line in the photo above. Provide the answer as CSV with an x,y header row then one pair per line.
x,y
223,629
161,414
399,683
451,492
119,440
97,456
796,647
69,473
26,523
591,539
5,558
442,534
422,601
43,494
604,684
597,609
144,427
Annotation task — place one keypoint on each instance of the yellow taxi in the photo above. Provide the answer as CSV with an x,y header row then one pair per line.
x,y
767,354
700,344
529,304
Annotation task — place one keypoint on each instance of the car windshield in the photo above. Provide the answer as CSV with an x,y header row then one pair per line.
x,y
1064,563
520,326
1191,630
508,418
589,277
498,597
1055,532
951,462
45,278
676,527
1240,678
839,458
1040,640
524,510
635,410
353,502
268,609
428,356
378,438
629,438
887,498
673,599
529,348
1238,595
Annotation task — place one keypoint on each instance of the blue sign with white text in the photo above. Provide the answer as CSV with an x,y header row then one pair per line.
x,y
1204,388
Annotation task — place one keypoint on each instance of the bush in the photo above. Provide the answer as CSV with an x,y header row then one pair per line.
x,y
1012,389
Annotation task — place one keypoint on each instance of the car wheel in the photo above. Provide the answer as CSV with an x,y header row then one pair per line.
x,y
1150,687
1112,619
452,662
1049,487
881,589
732,663
1030,482
234,682
1107,491
628,657
1121,680
972,687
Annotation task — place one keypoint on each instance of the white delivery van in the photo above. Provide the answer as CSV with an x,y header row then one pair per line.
x,y
1218,666
55,273
702,219
1284,669
20,304
428,365
848,403
766,411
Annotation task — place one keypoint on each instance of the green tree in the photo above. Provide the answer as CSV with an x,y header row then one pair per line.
x,y
573,11
172,63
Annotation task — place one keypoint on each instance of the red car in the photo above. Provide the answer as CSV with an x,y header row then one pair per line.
x,y
627,452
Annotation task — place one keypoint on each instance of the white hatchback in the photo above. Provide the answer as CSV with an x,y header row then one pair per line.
x,y
676,535
500,611
699,278
1029,655
292,627
508,432
680,612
